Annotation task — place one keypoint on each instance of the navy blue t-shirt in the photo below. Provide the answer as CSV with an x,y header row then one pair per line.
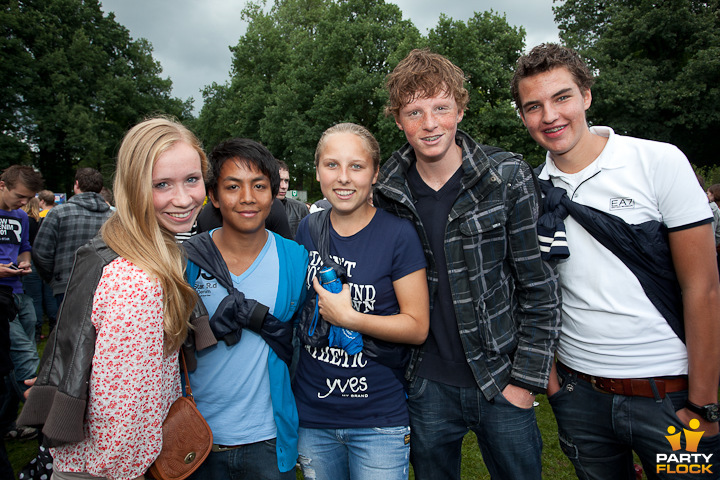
x,y
336,390
443,355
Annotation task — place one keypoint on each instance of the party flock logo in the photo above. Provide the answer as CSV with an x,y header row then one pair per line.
x,y
689,462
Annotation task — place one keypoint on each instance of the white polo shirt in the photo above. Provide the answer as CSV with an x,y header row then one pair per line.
x,y
610,328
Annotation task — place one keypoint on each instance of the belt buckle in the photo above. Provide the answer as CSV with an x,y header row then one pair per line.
x,y
220,448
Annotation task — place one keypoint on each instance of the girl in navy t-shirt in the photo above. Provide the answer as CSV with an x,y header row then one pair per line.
x,y
353,415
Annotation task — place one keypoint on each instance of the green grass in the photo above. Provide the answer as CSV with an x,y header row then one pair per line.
x,y
21,452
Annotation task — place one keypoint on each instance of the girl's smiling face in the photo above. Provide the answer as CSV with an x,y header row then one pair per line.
x,y
346,173
177,187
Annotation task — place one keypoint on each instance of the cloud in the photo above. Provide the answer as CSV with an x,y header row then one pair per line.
x,y
191,38
535,16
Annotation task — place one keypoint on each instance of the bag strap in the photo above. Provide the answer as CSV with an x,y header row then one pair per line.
x,y
188,390
319,227
192,272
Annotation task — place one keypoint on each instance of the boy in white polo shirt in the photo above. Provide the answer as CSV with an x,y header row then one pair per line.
x,y
629,369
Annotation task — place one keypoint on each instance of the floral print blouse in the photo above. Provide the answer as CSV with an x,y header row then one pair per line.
x,y
132,385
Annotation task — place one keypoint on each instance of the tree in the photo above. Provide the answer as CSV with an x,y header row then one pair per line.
x,y
583,22
486,47
302,67
74,82
305,65
658,68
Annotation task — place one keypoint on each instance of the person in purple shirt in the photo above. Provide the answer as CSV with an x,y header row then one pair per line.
x,y
18,355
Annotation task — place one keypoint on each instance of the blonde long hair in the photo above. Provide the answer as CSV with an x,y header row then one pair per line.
x,y
133,231
32,208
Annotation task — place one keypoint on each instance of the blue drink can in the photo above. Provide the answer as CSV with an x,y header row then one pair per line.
x,y
329,280
348,340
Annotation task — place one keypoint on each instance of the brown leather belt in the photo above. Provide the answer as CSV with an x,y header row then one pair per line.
x,y
632,387
224,448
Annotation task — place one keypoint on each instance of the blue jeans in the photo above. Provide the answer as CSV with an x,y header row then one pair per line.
x,y
43,299
59,299
24,355
249,462
23,350
441,415
598,431
355,453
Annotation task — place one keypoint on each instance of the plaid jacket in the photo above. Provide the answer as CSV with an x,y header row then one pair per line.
x,y
66,228
506,298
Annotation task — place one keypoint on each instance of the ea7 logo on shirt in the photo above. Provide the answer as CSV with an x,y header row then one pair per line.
x,y
621,203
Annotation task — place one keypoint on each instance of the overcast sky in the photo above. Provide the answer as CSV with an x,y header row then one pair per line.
x,y
191,38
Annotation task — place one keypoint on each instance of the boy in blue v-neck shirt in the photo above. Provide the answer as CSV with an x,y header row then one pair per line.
x,y
241,385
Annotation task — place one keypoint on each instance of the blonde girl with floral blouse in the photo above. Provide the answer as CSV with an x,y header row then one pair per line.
x,y
140,307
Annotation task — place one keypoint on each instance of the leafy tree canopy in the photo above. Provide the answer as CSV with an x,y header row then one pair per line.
x,y
658,68
73,83
486,47
304,65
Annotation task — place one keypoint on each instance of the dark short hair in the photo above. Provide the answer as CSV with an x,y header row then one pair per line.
x,y
24,174
424,73
248,152
715,190
46,196
546,57
107,195
89,180
282,165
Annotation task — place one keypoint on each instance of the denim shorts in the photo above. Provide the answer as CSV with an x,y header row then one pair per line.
x,y
381,453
